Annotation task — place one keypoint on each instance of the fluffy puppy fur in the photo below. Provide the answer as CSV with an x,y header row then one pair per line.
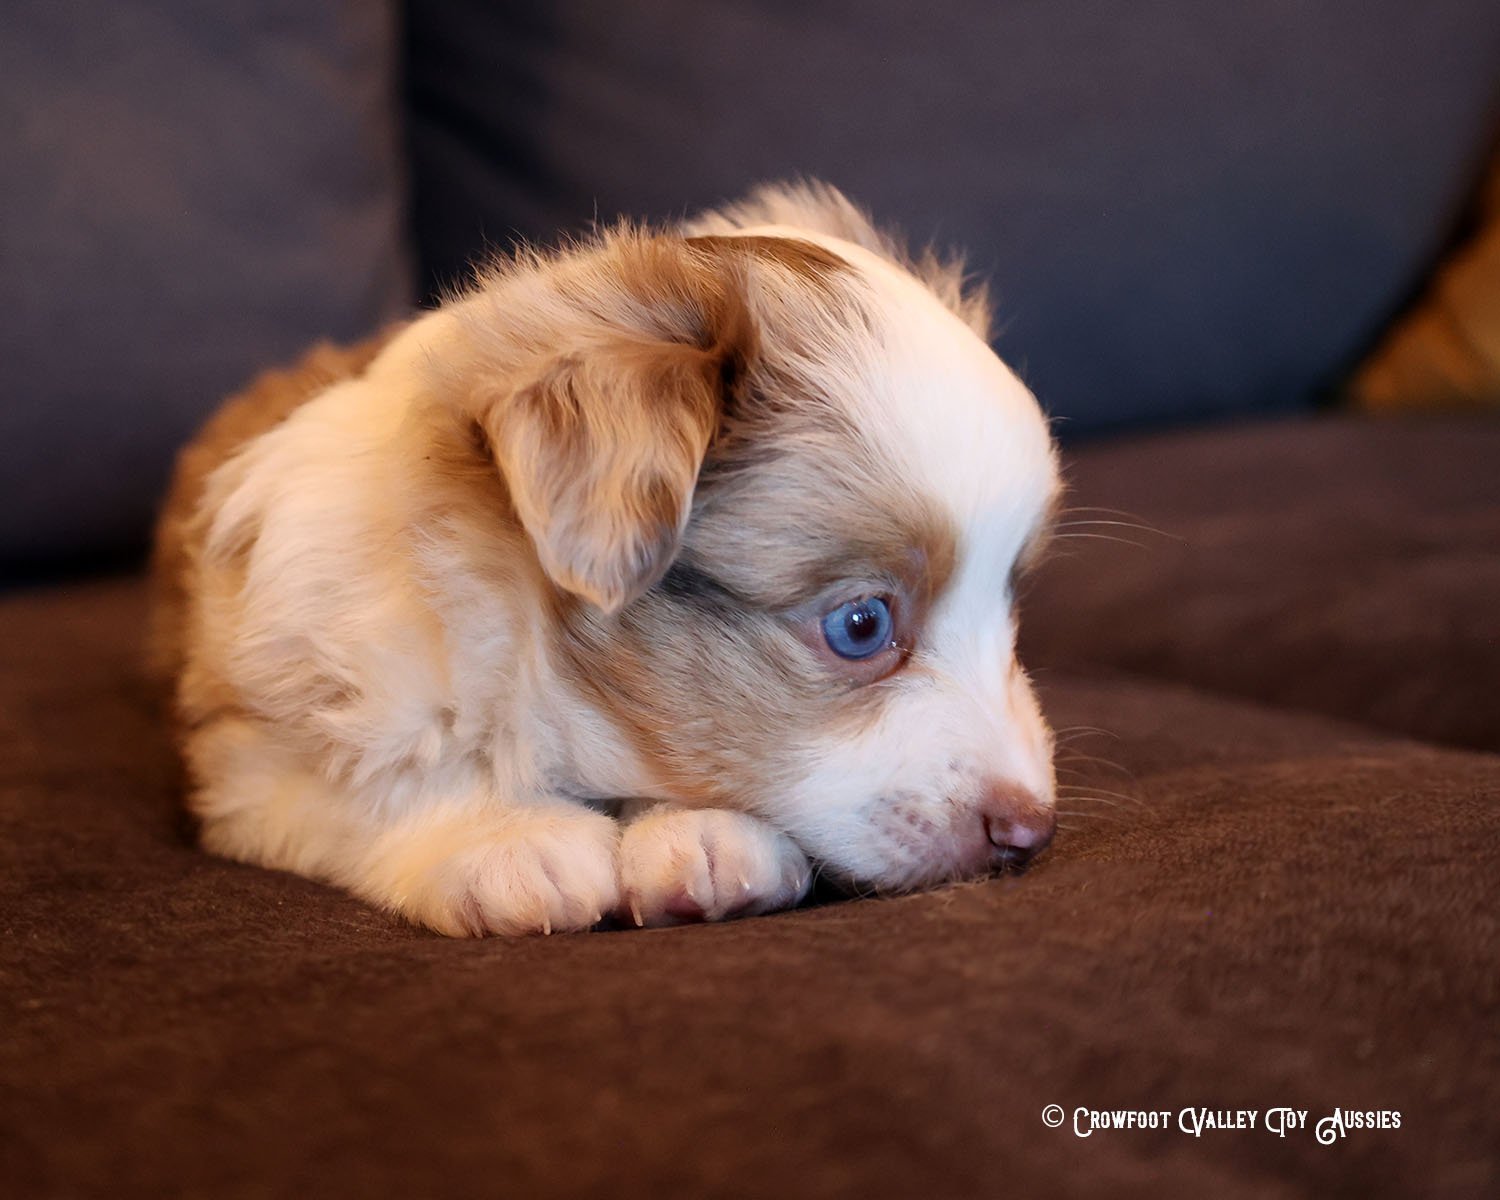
x,y
517,617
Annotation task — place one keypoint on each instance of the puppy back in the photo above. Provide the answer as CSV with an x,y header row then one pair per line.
x,y
263,405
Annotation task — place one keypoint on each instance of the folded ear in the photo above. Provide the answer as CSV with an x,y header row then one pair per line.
x,y
602,435
601,455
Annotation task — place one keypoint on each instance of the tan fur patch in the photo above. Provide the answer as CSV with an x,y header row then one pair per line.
x,y
267,402
808,261
824,209
717,689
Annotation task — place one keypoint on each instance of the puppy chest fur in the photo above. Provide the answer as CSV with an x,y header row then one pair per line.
x,y
643,579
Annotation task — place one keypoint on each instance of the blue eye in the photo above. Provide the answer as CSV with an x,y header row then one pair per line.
x,y
860,628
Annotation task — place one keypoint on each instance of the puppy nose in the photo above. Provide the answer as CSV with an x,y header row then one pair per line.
x,y
1018,824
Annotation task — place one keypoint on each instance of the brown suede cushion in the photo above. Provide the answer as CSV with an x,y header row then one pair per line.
x,y
1258,910
1347,566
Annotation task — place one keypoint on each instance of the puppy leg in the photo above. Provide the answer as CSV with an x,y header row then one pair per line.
x,y
679,864
469,872
465,866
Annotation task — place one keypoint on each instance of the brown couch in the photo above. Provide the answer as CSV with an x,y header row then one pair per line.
x,y
1275,888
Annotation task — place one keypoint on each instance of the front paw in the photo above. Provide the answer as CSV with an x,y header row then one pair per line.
x,y
539,872
680,865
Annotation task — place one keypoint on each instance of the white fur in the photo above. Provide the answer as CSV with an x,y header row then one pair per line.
x,y
711,861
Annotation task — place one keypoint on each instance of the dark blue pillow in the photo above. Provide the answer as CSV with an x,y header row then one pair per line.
x,y
191,192
1185,208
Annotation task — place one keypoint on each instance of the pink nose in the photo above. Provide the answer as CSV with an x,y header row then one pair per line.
x,y
1018,824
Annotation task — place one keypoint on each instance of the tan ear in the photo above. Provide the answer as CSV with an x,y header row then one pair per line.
x,y
601,456
812,205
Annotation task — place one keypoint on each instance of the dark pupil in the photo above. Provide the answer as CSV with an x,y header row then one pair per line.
x,y
861,624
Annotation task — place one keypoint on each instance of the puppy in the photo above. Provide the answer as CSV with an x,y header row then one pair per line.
x,y
643,579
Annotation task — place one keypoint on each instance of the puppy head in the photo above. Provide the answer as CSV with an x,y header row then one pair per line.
x,y
783,490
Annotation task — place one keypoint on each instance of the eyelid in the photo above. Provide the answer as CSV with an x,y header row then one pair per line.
x,y
846,592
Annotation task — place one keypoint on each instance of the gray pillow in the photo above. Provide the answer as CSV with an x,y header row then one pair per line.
x,y
1186,208
191,192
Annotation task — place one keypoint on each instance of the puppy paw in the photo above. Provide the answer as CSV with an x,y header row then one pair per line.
x,y
528,873
679,865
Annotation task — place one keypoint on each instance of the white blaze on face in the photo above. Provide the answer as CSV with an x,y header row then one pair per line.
x,y
897,806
